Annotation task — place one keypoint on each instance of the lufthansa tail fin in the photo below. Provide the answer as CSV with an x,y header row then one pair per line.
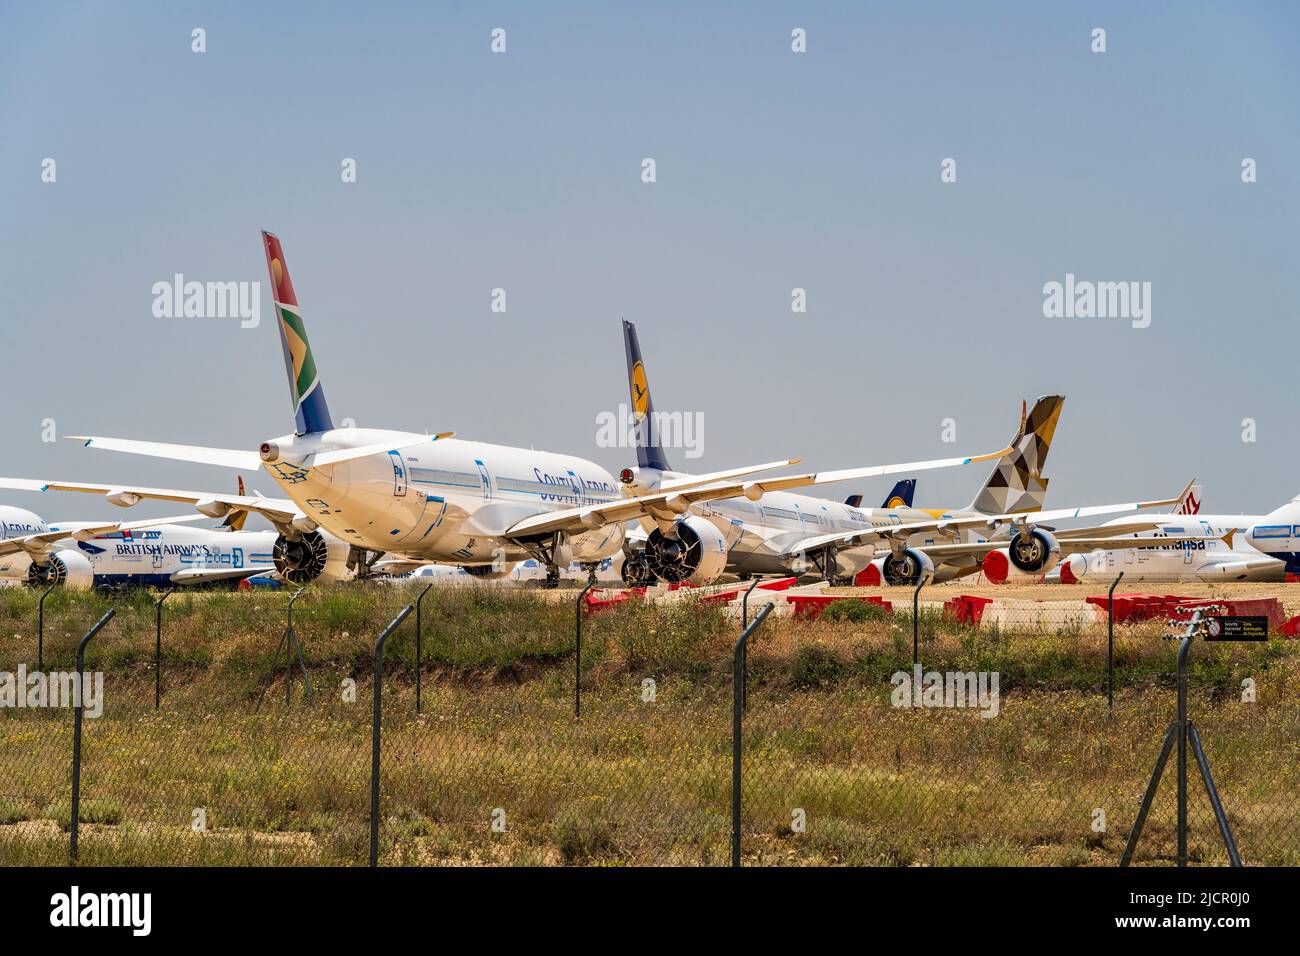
x,y
649,453
902,495
1017,485
306,394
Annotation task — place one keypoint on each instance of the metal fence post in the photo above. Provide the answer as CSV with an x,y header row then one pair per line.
x,y
1182,731
374,730
40,628
916,622
744,623
76,734
577,650
1110,645
737,721
157,648
419,635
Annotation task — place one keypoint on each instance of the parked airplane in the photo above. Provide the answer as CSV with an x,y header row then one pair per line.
x,y
782,533
161,557
33,552
432,498
1227,550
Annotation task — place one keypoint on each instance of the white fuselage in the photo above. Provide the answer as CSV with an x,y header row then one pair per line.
x,y
445,501
142,557
1207,559
152,556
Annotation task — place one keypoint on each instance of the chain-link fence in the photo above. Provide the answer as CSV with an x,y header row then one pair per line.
x,y
996,746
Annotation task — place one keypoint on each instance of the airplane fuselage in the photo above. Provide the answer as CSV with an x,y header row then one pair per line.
x,y
1207,559
445,500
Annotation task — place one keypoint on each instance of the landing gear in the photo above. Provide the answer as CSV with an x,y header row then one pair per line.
x,y
362,561
826,561
591,569
552,577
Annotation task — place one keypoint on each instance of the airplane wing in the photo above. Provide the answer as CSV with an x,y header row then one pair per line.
x,y
952,527
666,506
43,543
278,511
695,481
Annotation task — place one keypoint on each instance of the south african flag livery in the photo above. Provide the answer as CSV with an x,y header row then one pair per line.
x,y
311,413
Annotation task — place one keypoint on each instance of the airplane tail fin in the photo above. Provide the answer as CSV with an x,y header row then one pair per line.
x,y
649,453
1016,484
902,495
306,394
235,520
1191,504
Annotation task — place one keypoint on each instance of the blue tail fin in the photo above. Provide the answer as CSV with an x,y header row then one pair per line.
x,y
649,453
902,495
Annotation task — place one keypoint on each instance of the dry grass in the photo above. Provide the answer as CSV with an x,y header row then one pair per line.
x,y
635,781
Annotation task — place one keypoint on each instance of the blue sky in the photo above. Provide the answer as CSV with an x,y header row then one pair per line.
x,y
775,171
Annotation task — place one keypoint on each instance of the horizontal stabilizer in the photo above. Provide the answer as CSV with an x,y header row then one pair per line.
x,y
196,454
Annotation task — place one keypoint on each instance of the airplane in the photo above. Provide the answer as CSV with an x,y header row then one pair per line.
x,y
438,499
35,553
1229,549
165,557
785,533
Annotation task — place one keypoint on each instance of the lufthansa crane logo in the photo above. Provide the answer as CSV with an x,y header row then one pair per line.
x,y
640,392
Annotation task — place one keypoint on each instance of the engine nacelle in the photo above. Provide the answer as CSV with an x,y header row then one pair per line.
x,y
311,557
490,572
595,545
1034,553
871,576
912,567
68,569
697,554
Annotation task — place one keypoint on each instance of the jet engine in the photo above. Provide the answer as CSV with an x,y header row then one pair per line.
x,y
910,567
1034,552
310,557
69,569
636,571
695,554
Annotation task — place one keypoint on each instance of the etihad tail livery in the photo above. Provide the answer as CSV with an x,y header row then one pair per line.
x,y
435,498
